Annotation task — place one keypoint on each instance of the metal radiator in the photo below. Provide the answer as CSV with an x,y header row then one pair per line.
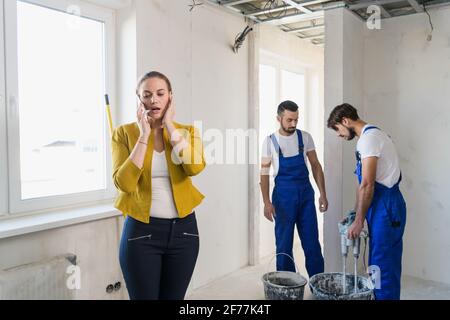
x,y
44,280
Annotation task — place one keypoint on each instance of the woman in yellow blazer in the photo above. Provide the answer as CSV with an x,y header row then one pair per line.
x,y
153,160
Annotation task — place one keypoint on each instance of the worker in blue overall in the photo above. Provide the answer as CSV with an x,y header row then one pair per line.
x,y
293,203
379,199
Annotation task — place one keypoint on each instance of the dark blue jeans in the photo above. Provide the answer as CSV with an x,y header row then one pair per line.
x,y
158,259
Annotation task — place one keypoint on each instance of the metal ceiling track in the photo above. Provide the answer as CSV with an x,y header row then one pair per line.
x,y
305,19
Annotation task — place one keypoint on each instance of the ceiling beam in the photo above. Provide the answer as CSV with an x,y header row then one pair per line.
x,y
366,4
233,2
293,18
284,7
297,6
317,36
303,29
259,12
318,41
384,12
231,10
310,3
415,5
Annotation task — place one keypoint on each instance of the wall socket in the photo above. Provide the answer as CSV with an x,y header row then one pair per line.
x,y
113,287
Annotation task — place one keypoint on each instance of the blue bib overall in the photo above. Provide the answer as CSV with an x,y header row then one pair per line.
x,y
386,219
293,200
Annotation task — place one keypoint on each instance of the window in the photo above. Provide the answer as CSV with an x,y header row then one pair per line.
x,y
280,80
293,88
3,144
267,102
59,67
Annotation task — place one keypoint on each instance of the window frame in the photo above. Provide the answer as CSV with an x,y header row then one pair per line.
x,y
13,192
3,142
281,63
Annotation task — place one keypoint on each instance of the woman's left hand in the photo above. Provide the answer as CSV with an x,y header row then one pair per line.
x,y
170,113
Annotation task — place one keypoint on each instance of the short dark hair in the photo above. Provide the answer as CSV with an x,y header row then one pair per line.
x,y
342,111
287,105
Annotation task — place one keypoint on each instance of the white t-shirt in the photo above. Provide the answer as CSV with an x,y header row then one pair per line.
x,y
289,148
376,143
163,205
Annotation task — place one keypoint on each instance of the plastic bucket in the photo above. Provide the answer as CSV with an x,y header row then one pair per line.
x,y
328,286
284,285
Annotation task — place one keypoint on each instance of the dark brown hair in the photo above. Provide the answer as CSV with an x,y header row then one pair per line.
x,y
342,111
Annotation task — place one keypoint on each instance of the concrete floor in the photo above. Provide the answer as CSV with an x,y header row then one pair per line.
x,y
246,284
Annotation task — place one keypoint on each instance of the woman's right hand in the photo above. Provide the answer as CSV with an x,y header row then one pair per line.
x,y
143,121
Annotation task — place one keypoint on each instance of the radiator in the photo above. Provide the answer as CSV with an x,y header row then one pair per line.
x,y
43,280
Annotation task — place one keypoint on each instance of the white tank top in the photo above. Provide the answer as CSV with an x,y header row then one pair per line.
x,y
163,205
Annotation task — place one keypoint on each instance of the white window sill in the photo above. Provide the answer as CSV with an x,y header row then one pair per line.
x,y
17,226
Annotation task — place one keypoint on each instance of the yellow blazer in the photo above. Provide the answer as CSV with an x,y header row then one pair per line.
x,y
134,184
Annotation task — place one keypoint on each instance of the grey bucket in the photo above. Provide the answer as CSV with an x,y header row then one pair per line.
x,y
328,286
284,285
